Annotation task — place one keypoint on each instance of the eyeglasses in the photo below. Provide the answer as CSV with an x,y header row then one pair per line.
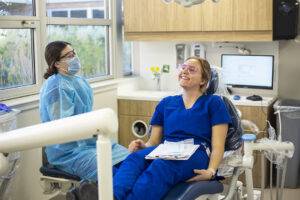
x,y
70,54
191,69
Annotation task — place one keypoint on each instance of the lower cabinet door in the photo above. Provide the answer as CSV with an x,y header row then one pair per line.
x,y
132,128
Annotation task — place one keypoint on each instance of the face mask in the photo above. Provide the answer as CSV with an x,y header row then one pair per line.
x,y
73,66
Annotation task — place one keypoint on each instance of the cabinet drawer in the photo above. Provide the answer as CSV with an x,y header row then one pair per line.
x,y
136,107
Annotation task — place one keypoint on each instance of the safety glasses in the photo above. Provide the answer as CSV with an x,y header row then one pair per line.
x,y
70,54
191,69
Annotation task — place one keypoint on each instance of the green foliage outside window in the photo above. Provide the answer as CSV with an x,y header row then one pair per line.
x,y
89,44
16,62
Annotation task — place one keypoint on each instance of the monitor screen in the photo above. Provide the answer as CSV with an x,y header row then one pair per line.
x,y
249,71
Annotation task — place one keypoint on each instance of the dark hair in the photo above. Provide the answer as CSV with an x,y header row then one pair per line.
x,y
206,70
52,54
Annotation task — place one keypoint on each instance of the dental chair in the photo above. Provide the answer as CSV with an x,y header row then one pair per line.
x,y
182,191
212,189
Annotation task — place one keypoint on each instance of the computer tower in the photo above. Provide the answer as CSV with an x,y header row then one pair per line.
x,y
285,19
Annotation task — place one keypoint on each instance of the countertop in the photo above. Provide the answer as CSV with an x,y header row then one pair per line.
x,y
148,95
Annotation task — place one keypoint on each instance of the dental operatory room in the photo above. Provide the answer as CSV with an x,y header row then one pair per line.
x,y
89,89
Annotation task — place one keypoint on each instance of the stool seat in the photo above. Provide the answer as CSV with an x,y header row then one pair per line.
x,y
50,170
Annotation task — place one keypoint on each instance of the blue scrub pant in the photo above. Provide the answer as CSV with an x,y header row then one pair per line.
x,y
138,178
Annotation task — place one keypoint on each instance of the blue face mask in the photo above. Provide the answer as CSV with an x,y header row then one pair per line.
x,y
73,66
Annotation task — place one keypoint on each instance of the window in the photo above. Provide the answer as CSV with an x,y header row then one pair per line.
x,y
98,13
24,29
90,43
79,13
80,9
127,58
16,7
16,58
59,13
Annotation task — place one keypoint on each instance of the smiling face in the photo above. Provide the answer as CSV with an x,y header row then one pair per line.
x,y
190,75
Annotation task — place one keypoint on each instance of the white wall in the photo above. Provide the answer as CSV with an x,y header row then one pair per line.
x,y
289,68
159,53
26,183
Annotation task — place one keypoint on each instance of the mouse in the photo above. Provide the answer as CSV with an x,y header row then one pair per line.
x,y
236,97
255,98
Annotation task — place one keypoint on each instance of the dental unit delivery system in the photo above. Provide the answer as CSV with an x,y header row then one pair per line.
x,y
101,123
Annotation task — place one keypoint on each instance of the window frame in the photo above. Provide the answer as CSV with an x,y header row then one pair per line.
x,y
39,24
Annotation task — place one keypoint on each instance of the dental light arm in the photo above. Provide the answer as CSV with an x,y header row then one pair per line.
x,y
102,122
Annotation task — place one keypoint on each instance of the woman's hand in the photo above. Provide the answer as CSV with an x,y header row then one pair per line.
x,y
136,145
202,175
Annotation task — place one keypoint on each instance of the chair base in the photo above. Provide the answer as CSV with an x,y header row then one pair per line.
x,y
52,185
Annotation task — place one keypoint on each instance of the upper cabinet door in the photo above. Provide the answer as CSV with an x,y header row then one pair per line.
x,y
218,16
145,15
183,19
253,15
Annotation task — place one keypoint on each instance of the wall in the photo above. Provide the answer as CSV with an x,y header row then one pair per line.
x,y
289,68
26,183
159,53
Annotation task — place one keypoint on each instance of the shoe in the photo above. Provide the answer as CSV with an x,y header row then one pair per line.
x,y
88,191
73,194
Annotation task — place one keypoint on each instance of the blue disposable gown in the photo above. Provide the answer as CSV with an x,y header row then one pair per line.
x,y
63,96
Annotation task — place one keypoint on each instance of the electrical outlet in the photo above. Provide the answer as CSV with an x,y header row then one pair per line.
x,y
166,68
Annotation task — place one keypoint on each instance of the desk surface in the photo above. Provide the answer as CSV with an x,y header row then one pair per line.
x,y
147,95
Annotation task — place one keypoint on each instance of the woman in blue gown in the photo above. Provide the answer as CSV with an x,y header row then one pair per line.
x,y
192,115
65,94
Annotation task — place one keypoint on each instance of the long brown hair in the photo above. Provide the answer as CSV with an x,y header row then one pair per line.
x,y
52,55
206,71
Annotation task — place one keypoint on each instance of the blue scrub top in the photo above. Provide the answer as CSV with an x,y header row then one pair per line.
x,y
196,122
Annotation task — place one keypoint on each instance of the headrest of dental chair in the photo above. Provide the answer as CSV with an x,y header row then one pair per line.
x,y
213,83
235,131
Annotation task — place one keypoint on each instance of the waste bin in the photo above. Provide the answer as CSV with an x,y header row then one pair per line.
x,y
288,124
8,121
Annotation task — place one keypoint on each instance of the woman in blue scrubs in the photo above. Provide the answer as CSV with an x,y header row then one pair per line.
x,y
66,94
192,115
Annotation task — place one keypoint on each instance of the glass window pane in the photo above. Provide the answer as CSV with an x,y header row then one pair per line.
x,y
16,7
16,59
78,13
90,44
59,13
98,13
127,58
79,8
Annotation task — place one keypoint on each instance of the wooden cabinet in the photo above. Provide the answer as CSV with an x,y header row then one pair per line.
x,y
129,112
227,20
256,15
217,16
145,16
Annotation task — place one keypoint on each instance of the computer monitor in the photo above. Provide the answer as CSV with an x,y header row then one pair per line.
x,y
248,71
